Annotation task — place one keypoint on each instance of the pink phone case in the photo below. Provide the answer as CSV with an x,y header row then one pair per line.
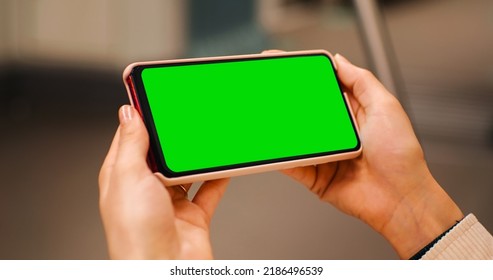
x,y
242,170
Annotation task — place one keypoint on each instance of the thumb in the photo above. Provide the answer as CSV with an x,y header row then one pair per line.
x,y
363,85
134,140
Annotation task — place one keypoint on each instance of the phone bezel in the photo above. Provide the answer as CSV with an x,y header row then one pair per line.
x,y
138,98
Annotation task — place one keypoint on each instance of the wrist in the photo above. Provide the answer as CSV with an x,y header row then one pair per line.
x,y
419,218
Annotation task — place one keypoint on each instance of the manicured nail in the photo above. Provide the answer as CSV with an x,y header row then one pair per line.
x,y
126,114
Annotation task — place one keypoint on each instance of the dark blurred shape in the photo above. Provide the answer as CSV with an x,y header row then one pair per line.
x,y
58,92
208,18
222,27
304,3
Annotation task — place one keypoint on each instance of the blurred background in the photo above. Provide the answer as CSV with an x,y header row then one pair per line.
x,y
60,88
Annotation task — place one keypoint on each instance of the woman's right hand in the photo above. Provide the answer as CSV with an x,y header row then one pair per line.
x,y
389,186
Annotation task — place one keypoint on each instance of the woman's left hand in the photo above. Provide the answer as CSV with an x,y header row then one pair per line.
x,y
143,218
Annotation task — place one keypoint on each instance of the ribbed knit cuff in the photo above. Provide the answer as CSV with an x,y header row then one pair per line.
x,y
467,240
428,247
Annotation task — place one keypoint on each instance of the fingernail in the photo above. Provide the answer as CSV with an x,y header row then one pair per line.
x,y
126,114
341,58
272,51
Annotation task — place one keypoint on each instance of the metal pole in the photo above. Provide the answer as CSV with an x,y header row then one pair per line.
x,y
378,44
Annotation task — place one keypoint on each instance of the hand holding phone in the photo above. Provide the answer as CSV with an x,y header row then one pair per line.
x,y
217,117
142,217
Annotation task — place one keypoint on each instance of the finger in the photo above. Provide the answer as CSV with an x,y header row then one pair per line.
x,y
272,51
361,83
355,106
325,173
316,178
133,142
303,174
176,192
187,186
108,163
209,195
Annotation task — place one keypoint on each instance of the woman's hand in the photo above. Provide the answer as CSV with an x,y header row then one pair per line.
x,y
143,218
389,186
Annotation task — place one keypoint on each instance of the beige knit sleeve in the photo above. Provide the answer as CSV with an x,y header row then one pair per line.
x,y
468,240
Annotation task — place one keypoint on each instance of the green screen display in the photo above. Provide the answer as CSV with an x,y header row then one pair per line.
x,y
214,115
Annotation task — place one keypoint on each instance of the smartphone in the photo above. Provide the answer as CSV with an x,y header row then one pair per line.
x,y
218,117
